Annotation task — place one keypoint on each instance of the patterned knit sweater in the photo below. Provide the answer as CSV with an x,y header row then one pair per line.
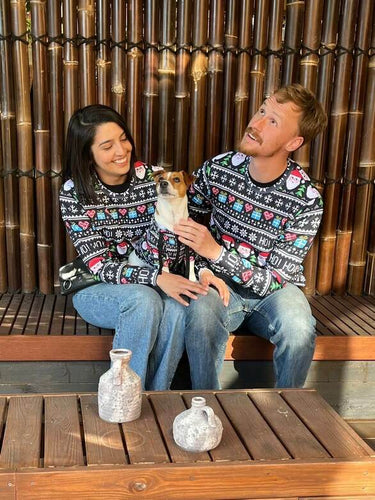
x,y
265,230
102,233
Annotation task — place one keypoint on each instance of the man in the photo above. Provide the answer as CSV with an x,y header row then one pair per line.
x,y
264,215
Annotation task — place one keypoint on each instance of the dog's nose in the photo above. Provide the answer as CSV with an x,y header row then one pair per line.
x,y
164,184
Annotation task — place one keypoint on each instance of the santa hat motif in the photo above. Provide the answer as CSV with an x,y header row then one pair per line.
x,y
96,264
140,170
294,179
244,249
228,240
122,247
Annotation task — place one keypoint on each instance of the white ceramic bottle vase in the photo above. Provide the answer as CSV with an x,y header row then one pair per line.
x,y
120,390
198,428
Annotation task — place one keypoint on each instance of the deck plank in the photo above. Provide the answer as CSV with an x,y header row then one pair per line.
x,y
143,439
294,435
335,324
32,323
334,433
63,444
46,315
248,422
10,315
103,440
346,315
23,314
58,316
22,437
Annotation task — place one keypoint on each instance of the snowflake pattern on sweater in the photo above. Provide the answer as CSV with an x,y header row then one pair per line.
x,y
265,231
102,233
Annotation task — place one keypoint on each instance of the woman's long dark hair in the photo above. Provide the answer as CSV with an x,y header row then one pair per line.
x,y
79,162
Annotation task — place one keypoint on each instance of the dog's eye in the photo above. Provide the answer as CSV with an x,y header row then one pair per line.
x,y
176,179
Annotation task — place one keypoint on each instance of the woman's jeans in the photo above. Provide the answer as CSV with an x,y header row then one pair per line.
x,y
284,318
157,329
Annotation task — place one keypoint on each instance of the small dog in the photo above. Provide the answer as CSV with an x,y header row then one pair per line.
x,y
159,246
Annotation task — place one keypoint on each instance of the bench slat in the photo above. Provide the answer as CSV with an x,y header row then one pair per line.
x,y
62,431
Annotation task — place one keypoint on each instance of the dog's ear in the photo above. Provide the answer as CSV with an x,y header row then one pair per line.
x,y
188,178
157,174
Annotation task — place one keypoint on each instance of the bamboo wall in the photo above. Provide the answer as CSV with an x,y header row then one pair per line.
x,y
187,75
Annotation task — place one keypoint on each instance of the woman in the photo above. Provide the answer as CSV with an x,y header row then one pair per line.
x,y
107,200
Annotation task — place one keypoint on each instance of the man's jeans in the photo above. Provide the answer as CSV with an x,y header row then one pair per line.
x,y
284,318
157,329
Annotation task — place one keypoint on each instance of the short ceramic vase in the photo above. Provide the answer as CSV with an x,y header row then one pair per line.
x,y
120,390
198,428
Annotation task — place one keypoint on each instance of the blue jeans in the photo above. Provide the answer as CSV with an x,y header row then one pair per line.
x,y
156,328
284,318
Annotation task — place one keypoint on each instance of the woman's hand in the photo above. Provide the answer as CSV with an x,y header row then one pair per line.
x,y
208,278
175,286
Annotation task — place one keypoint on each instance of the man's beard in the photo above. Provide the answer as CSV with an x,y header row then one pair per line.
x,y
246,147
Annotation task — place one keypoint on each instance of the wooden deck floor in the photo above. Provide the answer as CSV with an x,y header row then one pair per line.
x,y
42,327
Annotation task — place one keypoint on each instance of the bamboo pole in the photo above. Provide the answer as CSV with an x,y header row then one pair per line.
x,y
166,71
293,36
134,72
309,63
70,79
150,91
118,74
319,145
182,84
24,147
258,62
56,127
215,78
199,62
357,96
70,61
369,283
365,187
308,77
241,99
3,246
273,77
9,218
335,157
230,70
103,59
41,145
86,28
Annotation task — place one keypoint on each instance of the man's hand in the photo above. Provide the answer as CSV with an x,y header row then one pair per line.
x,y
175,286
208,278
197,237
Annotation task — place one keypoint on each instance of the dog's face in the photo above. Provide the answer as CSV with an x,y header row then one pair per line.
x,y
172,184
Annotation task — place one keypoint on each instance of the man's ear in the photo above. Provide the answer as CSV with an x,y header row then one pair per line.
x,y
188,178
294,144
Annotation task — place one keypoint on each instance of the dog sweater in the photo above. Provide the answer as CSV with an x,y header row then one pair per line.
x,y
265,230
102,233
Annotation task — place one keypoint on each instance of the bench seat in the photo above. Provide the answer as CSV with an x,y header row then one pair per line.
x,y
36,327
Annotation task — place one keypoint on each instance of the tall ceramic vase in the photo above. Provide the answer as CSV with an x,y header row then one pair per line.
x,y
198,428
120,390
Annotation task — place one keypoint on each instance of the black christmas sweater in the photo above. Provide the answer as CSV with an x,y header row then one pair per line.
x,y
265,230
102,233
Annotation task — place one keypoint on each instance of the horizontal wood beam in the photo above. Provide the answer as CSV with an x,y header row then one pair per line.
x,y
239,347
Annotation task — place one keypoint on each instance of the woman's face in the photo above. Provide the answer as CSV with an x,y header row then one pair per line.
x,y
112,153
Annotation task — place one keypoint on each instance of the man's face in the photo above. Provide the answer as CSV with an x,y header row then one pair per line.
x,y
273,129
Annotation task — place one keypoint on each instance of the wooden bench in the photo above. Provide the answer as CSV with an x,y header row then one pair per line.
x,y
276,443
36,327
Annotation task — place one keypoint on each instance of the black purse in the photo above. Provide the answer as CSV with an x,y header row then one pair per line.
x,y
75,276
